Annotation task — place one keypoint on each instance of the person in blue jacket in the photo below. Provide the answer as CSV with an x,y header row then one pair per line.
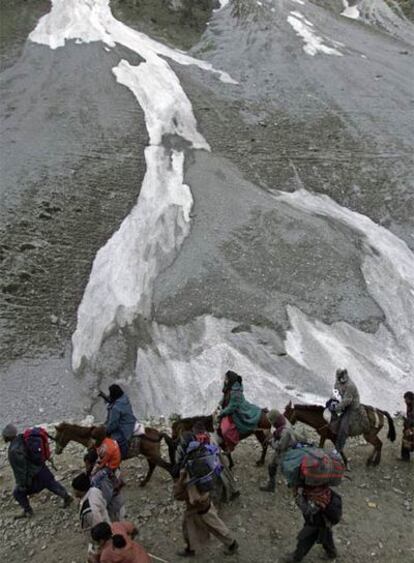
x,y
120,420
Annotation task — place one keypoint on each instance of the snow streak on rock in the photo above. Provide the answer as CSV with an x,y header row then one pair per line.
x,y
92,20
190,362
313,43
120,284
392,20
351,12
379,362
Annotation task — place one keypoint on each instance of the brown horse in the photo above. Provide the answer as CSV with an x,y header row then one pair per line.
x,y
181,425
148,445
312,415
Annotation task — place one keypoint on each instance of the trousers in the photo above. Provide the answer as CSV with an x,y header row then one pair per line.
x,y
309,535
198,527
343,430
42,480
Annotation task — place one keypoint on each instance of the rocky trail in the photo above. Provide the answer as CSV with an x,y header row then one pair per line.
x,y
377,525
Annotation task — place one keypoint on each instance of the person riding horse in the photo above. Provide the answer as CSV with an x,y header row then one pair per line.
x,y
120,420
237,416
348,408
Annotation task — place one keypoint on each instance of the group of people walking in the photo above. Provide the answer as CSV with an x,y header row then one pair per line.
x,y
99,487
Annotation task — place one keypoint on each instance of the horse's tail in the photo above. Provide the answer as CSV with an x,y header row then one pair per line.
x,y
391,428
171,448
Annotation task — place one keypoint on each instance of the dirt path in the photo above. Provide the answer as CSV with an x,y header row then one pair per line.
x,y
377,526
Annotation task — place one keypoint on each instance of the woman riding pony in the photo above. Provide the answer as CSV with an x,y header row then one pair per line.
x,y
237,416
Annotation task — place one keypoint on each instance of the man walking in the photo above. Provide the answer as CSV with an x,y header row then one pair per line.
x,y
321,508
31,477
200,517
283,438
92,505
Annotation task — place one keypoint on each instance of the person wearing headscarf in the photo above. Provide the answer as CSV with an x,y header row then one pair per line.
x,y
236,413
348,408
120,420
283,438
407,445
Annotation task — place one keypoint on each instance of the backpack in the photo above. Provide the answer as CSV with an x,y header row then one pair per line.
x,y
313,467
202,464
36,440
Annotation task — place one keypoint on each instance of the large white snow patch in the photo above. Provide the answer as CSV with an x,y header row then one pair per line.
x,y
381,363
313,43
120,284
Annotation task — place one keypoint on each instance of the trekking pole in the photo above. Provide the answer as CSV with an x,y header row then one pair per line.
x,y
158,558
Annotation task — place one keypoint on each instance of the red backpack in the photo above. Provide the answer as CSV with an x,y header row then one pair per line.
x,y
37,444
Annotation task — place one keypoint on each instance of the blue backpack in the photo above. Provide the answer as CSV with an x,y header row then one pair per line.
x,y
203,465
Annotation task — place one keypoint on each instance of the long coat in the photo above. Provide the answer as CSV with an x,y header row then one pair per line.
x,y
350,400
245,415
120,421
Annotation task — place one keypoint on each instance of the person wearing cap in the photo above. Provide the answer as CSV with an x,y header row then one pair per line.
x,y
282,439
31,478
120,420
348,409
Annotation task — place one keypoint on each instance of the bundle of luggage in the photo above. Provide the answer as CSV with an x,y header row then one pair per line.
x,y
308,466
203,465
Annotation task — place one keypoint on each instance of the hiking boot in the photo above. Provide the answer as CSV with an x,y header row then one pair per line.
x,y
186,552
232,548
24,514
268,488
67,501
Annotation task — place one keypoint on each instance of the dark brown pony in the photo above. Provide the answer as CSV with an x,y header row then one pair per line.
x,y
181,425
312,415
148,446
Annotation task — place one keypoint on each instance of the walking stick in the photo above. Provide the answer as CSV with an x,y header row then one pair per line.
x,y
157,558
